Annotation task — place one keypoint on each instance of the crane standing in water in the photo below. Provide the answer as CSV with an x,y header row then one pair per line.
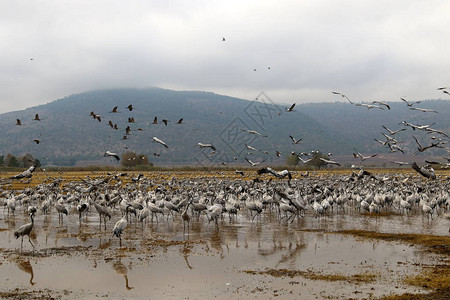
x,y
25,230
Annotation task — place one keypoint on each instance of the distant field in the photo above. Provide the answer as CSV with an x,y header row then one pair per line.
x,y
161,176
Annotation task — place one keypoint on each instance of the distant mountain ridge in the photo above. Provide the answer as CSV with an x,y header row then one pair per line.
x,y
68,133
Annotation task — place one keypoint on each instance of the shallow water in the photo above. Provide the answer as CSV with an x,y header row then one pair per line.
x,y
162,261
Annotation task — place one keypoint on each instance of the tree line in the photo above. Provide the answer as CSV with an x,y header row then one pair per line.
x,y
24,161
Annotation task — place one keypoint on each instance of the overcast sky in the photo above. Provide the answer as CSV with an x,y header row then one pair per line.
x,y
369,50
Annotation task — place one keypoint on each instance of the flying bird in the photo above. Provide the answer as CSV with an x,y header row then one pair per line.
x,y
36,141
25,174
422,148
130,107
381,103
36,117
290,108
423,109
115,155
201,145
426,171
329,162
155,139
253,163
280,174
18,122
114,110
250,147
295,141
392,132
369,106
180,121
165,121
253,132
362,157
410,104
343,96
155,120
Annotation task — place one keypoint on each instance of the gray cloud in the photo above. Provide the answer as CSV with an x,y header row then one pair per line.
x,y
367,49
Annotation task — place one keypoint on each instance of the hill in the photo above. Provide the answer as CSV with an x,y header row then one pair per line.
x,y
69,134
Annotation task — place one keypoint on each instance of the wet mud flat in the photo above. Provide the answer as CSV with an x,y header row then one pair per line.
x,y
338,256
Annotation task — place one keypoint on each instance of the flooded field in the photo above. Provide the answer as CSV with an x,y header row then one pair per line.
x,y
338,255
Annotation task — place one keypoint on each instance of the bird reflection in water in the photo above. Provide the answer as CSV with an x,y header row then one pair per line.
x,y
25,266
121,269
185,251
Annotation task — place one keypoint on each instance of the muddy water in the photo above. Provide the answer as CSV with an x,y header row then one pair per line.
x,y
164,261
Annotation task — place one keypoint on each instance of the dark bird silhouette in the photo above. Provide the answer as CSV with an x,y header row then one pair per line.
x,y
114,110
426,171
421,148
130,107
128,130
131,120
115,155
18,122
165,121
223,39
290,108
36,141
36,117
155,120
95,116
180,121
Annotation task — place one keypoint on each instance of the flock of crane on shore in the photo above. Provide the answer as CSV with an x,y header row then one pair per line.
x,y
290,198
206,199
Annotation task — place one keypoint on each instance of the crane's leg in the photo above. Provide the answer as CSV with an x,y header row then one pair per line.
x,y
30,242
104,221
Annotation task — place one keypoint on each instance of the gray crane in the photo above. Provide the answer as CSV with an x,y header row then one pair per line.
x,y
25,230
